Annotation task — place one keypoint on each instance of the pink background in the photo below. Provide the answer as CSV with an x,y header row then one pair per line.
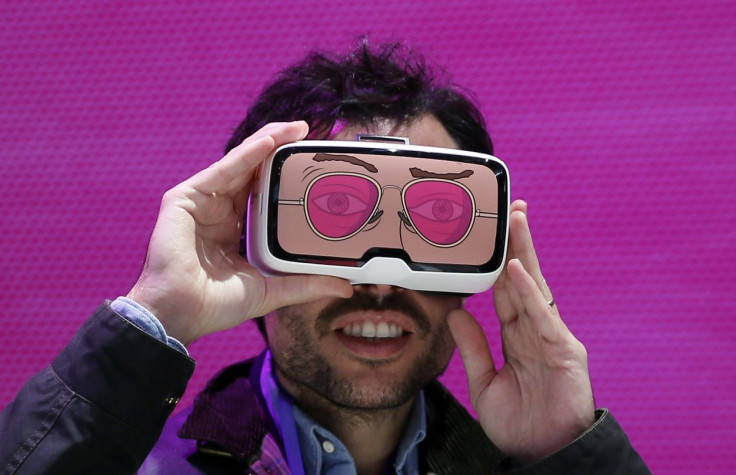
x,y
616,120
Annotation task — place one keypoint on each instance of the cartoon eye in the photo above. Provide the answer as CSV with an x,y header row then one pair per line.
x,y
440,210
339,203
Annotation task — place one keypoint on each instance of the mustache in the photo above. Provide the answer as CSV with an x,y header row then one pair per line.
x,y
366,301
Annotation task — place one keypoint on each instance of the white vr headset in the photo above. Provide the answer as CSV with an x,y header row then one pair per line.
x,y
422,218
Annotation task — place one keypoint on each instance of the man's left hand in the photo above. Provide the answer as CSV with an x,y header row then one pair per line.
x,y
541,400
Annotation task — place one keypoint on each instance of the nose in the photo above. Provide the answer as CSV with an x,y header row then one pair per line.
x,y
387,234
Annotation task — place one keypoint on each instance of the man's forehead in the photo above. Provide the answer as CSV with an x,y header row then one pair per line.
x,y
425,130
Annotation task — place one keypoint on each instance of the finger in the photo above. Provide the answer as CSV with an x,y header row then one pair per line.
x,y
286,132
473,346
518,205
281,133
523,246
506,299
297,289
544,318
268,129
234,170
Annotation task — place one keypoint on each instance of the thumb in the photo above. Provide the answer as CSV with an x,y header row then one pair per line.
x,y
297,289
473,346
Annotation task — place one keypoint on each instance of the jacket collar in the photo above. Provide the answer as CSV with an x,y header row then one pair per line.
x,y
229,412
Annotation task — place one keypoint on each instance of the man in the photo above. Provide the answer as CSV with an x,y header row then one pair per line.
x,y
323,399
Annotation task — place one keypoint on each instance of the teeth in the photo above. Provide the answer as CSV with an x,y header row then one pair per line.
x,y
372,330
369,330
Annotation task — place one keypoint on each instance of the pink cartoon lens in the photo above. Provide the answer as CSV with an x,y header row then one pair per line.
x,y
441,211
340,205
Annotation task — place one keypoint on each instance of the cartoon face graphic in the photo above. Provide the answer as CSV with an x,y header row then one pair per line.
x,y
340,205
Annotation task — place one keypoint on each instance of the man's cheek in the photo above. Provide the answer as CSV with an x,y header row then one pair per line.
x,y
295,235
476,249
293,231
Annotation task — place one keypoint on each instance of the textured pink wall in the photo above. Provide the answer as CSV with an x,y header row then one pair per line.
x,y
616,120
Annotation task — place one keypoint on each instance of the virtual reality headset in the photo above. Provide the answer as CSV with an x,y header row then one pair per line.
x,y
422,218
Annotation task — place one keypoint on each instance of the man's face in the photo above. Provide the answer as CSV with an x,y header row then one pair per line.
x,y
378,348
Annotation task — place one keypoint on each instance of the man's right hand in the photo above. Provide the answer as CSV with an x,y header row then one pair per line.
x,y
194,280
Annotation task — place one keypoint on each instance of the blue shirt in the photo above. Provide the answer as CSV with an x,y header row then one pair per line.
x,y
310,448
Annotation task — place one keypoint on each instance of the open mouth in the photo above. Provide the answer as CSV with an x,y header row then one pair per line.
x,y
374,337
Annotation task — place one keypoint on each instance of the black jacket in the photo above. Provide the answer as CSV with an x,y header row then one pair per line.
x,y
101,406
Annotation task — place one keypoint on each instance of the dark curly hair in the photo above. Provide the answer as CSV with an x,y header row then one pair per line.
x,y
362,87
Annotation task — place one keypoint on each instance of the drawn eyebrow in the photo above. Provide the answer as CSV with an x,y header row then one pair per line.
x,y
419,173
309,171
324,157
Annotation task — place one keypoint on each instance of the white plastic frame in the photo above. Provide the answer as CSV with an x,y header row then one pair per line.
x,y
378,270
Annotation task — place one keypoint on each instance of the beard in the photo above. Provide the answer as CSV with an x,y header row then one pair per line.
x,y
305,368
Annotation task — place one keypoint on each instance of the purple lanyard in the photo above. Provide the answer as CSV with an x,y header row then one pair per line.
x,y
282,412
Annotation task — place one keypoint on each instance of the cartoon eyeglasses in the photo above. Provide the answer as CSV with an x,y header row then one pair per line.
x,y
340,205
